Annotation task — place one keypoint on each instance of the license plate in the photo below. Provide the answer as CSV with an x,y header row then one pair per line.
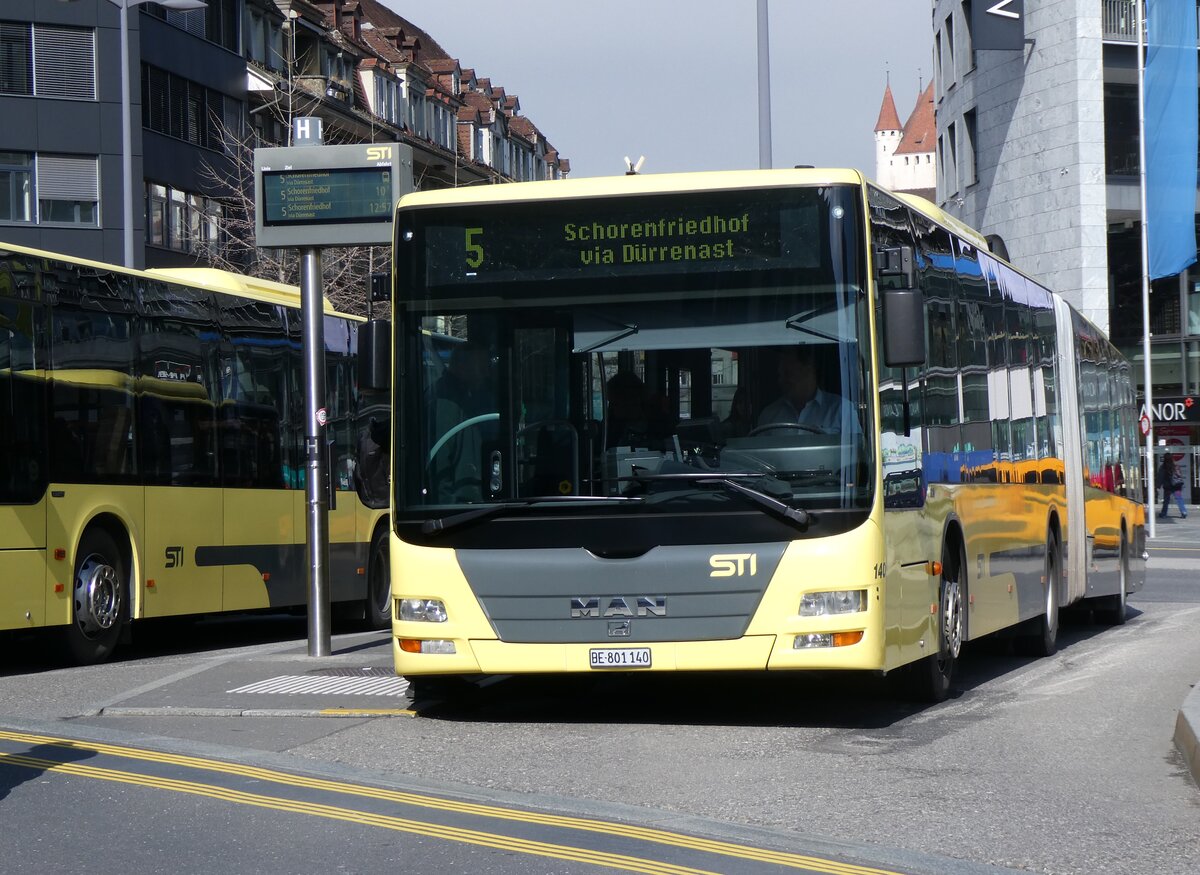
x,y
619,657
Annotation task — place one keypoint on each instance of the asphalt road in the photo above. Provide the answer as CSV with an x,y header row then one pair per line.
x,y
1062,765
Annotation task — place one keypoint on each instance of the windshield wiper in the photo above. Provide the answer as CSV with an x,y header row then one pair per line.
x,y
769,503
443,524
772,505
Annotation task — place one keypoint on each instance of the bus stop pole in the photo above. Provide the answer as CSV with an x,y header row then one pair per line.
x,y
315,416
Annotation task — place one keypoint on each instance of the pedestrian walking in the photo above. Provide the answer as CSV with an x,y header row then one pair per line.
x,y
1172,484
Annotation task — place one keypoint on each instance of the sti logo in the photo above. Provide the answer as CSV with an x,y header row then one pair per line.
x,y
733,564
379,153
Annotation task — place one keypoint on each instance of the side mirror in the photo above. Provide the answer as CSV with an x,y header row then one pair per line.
x,y
375,355
903,328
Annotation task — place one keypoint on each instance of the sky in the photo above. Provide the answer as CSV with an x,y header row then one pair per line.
x,y
676,81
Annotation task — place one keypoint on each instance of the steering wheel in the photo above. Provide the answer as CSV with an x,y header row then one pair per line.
x,y
774,426
462,426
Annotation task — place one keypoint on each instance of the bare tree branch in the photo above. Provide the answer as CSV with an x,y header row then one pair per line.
x,y
346,269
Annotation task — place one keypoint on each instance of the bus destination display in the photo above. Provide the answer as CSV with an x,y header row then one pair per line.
x,y
327,196
506,244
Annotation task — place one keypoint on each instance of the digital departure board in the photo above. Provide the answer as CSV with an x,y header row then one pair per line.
x,y
329,195
324,197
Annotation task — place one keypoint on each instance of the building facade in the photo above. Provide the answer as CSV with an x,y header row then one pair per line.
x,y
206,86
1040,146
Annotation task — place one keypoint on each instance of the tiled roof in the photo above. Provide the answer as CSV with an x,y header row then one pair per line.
x,y
381,16
920,131
888,119
525,128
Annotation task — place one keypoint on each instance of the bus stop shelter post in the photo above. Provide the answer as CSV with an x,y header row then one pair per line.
x,y
317,518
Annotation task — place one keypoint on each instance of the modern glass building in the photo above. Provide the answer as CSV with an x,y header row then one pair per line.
x,y
1039,145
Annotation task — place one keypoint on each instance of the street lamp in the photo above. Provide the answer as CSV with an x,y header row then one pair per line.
x,y
126,135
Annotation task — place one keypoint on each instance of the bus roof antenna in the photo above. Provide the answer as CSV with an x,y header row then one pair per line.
x,y
634,169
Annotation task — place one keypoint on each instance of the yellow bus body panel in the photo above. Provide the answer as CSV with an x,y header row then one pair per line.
x,y
178,519
22,565
254,517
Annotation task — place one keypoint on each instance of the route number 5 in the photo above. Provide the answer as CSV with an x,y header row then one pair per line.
x,y
474,248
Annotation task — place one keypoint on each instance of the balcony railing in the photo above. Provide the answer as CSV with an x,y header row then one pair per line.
x,y
1118,20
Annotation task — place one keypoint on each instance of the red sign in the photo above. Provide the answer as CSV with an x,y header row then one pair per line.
x,y
1144,422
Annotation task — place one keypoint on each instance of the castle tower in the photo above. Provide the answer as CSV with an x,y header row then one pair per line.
x,y
887,138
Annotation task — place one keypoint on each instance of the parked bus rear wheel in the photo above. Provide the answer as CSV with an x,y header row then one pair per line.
x,y
378,607
1113,607
99,598
933,675
1043,640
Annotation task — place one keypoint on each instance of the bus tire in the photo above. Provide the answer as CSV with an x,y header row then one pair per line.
x,y
1043,641
377,609
1112,609
99,598
933,675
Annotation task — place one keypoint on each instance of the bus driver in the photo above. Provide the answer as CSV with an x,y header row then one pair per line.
x,y
802,402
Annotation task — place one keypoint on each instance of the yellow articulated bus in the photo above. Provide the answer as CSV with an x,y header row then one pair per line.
x,y
764,420
151,450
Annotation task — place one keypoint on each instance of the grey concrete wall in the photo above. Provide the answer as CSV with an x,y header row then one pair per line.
x,y
1040,149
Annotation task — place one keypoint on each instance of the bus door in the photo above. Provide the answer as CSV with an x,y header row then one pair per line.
x,y
260,468
177,393
546,452
23,442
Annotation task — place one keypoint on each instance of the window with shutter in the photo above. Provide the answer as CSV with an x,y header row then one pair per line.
x,y
177,107
64,62
16,59
68,189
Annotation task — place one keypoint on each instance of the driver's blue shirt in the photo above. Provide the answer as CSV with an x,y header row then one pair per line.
x,y
824,412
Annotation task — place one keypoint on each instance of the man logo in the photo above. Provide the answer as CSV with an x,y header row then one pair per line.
x,y
733,564
379,153
618,606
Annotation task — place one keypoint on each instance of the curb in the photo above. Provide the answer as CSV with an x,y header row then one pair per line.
x,y
168,711
1186,740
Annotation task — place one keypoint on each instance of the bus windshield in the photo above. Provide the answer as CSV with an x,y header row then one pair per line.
x,y
660,354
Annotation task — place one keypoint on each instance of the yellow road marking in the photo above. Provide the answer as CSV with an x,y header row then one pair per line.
x,y
399,824
647,834
368,712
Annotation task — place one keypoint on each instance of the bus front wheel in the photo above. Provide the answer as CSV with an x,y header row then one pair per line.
x,y
379,583
933,675
99,598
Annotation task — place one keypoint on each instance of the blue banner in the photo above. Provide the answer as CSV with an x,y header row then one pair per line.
x,y
1171,137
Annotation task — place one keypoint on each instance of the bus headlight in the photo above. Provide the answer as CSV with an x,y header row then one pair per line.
x,y
839,601
421,610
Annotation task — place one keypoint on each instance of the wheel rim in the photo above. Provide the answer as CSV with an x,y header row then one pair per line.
x,y
97,596
951,620
1051,590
